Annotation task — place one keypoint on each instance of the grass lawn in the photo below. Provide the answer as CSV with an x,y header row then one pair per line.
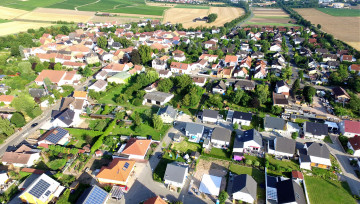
x,y
327,139
328,191
220,152
271,24
29,4
340,12
111,94
285,166
79,136
187,147
258,175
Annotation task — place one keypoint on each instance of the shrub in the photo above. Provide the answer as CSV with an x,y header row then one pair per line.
x,y
18,120
350,151
256,163
223,196
294,135
249,162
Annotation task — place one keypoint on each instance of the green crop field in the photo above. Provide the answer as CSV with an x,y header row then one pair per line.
x,y
111,6
191,6
271,24
340,12
4,21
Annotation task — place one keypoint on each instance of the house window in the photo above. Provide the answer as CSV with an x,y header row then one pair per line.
x,y
149,101
157,102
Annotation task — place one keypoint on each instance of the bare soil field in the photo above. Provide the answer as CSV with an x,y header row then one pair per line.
x,y
266,20
346,29
118,19
187,15
48,14
19,26
10,13
271,17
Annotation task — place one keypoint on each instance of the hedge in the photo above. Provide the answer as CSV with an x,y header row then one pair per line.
x,y
100,140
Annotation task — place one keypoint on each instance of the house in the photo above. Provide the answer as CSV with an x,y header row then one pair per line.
x,y
340,94
251,140
80,95
231,60
94,194
3,177
282,146
321,51
101,75
119,78
194,132
6,99
257,55
136,70
275,47
347,58
99,85
42,191
74,104
65,118
54,136
280,100
210,116
354,144
314,155
92,58
178,67
297,175
165,73
116,173
219,87
315,130
175,174
274,124
244,84
58,77
242,72
220,137
349,128
136,148
288,191
155,200
329,57
210,184
282,88
199,81
260,73
159,64
168,114
116,67
242,118
208,57
157,97
355,68
244,188
225,72
209,44
24,156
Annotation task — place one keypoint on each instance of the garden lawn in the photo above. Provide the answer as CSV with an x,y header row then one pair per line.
x,y
187,147
340,12
220,152
282,164
144,131
79,134
257,175
328,191
111,94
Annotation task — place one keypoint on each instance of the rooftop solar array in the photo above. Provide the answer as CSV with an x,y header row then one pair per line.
x,y
126,165
38,189
56,135
96,195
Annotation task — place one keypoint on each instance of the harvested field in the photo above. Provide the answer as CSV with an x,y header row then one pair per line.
x,y
18,26
212,167
136,15
10,13
346,29
269,17
46,14
122,19
186,16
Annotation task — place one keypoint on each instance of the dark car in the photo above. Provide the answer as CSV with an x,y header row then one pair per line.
x,y
34,124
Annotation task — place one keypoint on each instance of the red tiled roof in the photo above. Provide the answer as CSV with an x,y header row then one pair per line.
x,y
6,98
297,174
54,75
230,58
352,126
355,67
155,200
355,142
136,147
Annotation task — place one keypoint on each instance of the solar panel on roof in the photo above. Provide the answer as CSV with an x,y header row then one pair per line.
x,y
47,193
97,195
56,135
38,189
126,165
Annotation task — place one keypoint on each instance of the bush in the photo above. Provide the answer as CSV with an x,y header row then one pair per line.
x,y
212,17
350,151
18,119
248,162
294,135
223,196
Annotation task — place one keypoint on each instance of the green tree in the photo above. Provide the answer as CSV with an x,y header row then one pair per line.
x,y
102,42
65,30
236,126
86,72
25,68
286,73
235,97
294,135
39,67
18,120
212,17
137,119
318,26
262,92
24,103
301,74
309,92
157,122
6,127
215,100
276,110
165,85
121,99
296,86
58,66
145,53
223,196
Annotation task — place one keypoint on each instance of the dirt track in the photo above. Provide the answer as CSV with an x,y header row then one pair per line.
x,y
343,28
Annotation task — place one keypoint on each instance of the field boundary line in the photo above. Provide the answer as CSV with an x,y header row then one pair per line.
x,y
76,8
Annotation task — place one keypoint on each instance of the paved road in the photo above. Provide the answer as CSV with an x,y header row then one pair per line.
x,y
343,158
27,130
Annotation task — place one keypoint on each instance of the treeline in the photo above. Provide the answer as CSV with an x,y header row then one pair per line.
x,y
299,3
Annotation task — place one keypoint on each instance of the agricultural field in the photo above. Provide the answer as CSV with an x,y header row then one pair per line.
x,y
10,13
46,14
270,17
340,12
28,4
4,21
187,15
19,26
340,27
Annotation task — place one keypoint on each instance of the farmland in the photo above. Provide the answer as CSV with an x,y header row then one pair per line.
x,y
270,17
45,14
10,13
340,12
19,26
341,28
187,15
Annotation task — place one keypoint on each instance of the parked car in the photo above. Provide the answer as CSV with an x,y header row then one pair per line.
x,y
34,125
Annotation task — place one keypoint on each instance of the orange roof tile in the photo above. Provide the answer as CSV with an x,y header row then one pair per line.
x,y
80,94
69,75
54,75
6,98
155,200
116,171
136,147
115,67
230,58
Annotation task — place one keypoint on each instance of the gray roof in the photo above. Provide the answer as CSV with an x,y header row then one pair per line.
x,y
37,93
100,83
316,128
28,181
220,85
275,123
252,135
210,113
66,116
245,184
242,115
285,145
317,149
175,172
157,96
221,134
244,84
168,110
194,128
288,191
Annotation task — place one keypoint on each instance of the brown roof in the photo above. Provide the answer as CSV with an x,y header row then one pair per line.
x,y
136,147
23,148
14,157
6,98
31,170
80,94
116,171
69,75
297,174
179,65
355,142
355,67
280,99
115,67
347,57
339,91
230,58
54,75
199,79
155,200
